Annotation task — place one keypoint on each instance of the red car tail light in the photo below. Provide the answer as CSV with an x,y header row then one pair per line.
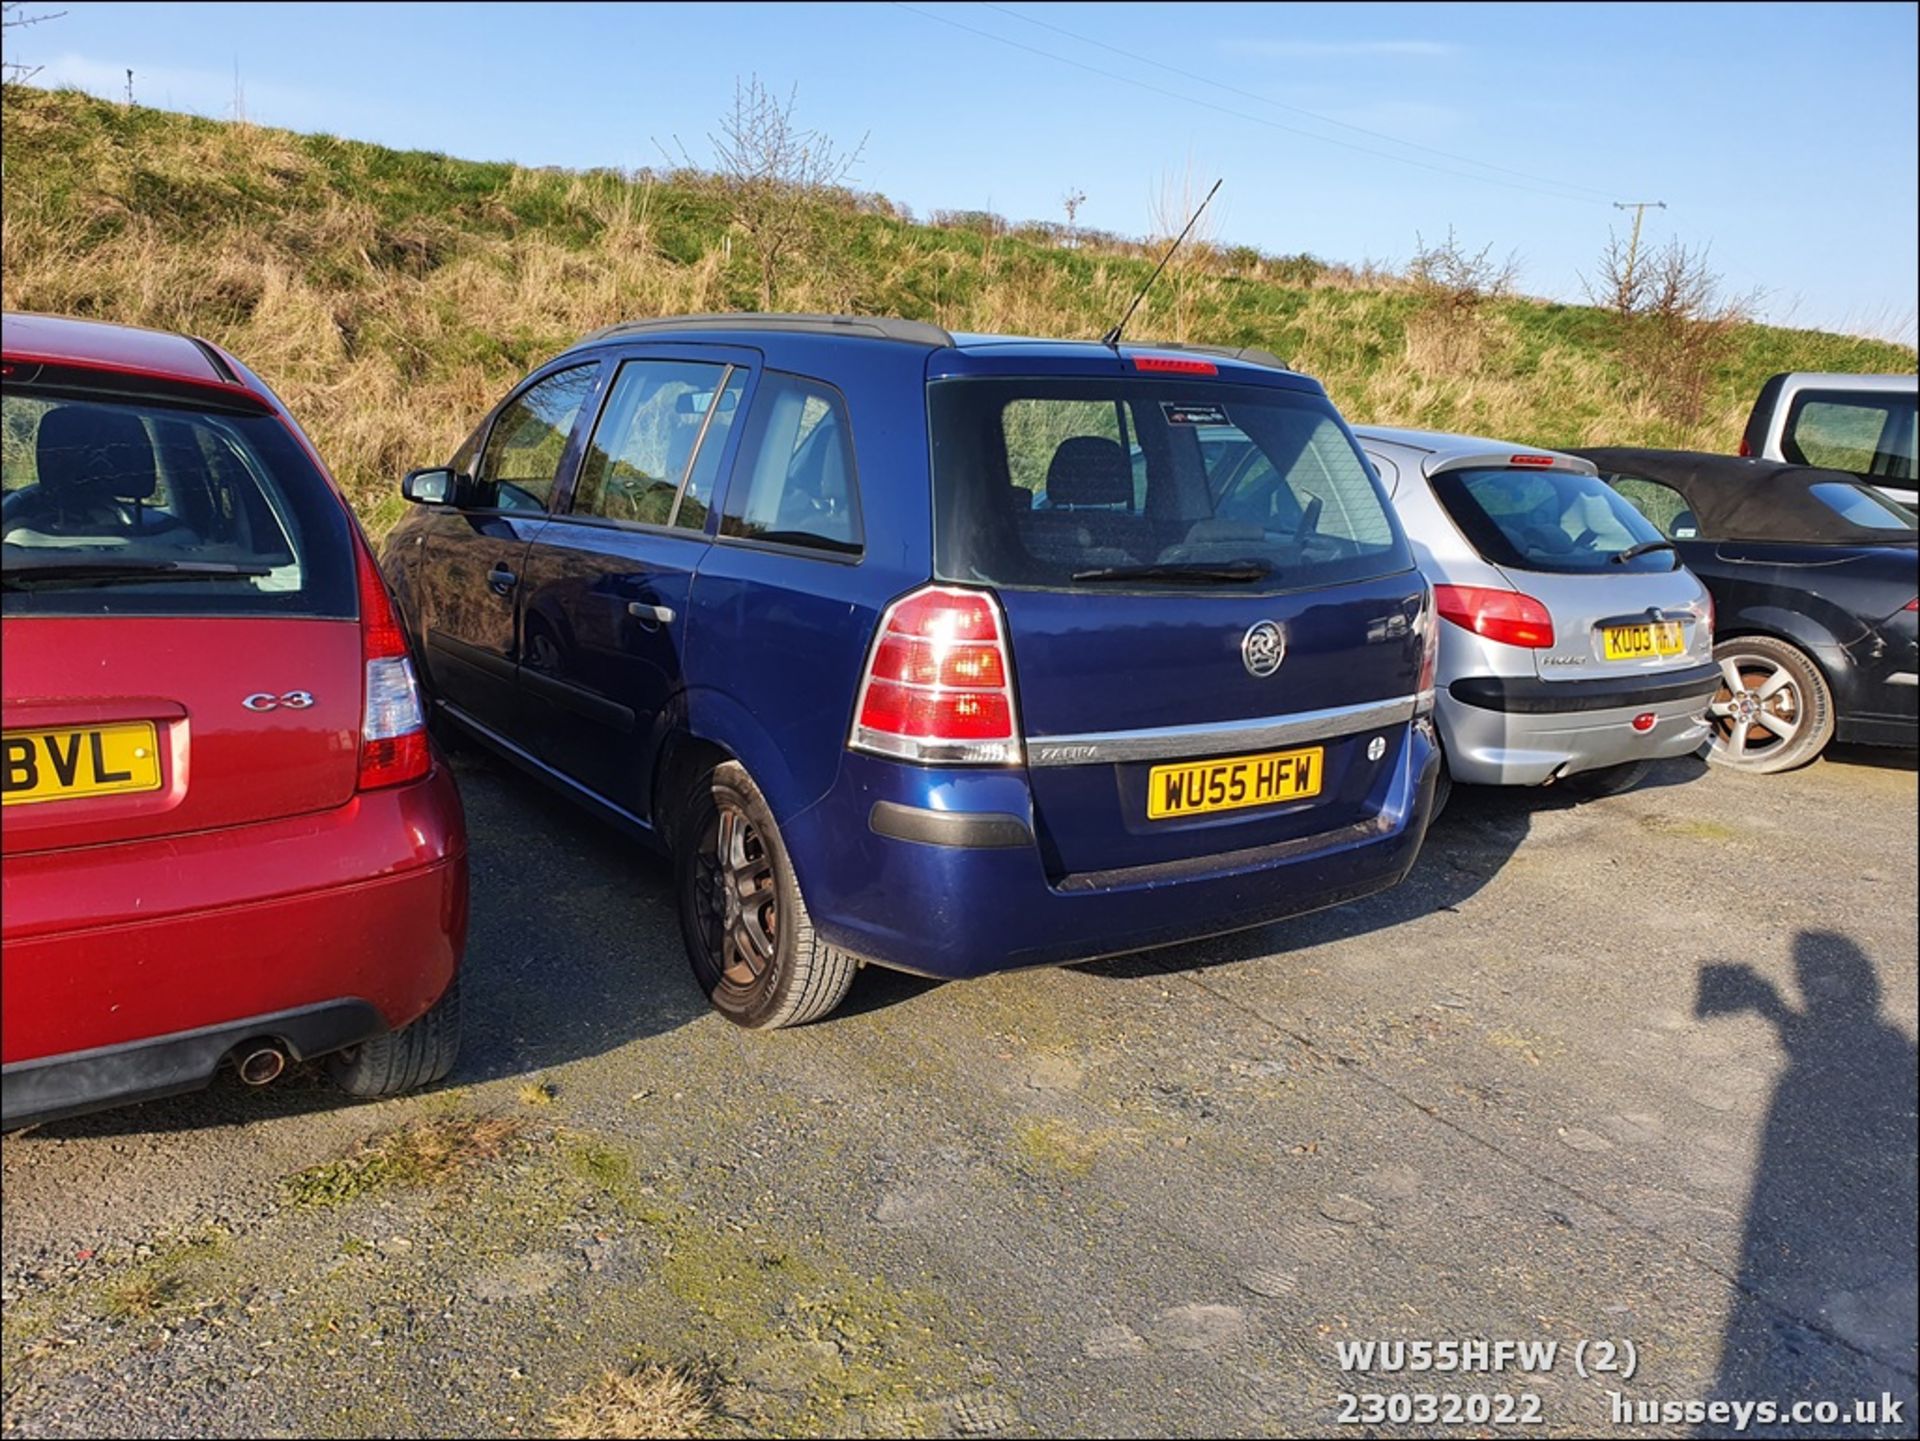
x,y
938,686
393,724
1644,721
1529,460
1501,615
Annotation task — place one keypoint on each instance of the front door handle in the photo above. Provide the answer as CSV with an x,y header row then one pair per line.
x,y
658,614
500,580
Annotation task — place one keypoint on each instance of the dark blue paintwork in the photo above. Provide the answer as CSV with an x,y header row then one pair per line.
x,y
763,659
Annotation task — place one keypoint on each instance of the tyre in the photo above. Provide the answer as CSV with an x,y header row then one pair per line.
x,y
1773,710
1442,791
1608,780
415,1055
749,937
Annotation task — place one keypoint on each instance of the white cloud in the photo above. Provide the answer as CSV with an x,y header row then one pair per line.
x,y
1341,49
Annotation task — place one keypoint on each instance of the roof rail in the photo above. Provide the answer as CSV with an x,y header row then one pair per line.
x,y
1252,355
868,327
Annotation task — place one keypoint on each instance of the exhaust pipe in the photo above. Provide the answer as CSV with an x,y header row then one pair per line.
x,y
260,1066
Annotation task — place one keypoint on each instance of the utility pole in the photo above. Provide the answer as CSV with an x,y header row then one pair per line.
x,y
129,89
1639,209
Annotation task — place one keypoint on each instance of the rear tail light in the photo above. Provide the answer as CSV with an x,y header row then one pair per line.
x,y
1429,629
1745,449
393,725
938,686
1913,604
1529,460
1502,615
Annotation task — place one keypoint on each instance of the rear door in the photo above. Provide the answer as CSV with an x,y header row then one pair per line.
x,y
179,606
472,558
1253,599
608,583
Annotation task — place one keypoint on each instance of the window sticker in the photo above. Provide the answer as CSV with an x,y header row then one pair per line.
x,y
1182,413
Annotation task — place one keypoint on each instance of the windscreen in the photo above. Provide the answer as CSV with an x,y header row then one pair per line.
x,y
1070,483
1558,521
136,507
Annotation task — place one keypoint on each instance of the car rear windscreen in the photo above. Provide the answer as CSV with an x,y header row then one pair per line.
x,y
1559,521
1102,483
130,506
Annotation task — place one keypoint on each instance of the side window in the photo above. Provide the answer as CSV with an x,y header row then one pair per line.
x,y
1666,507
1865,433
664,420
522,458
795,481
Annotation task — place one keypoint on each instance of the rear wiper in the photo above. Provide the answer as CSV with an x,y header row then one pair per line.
x,y
1224,572
1646,547
105,572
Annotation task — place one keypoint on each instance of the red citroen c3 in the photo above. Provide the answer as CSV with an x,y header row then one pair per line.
x,y
225,833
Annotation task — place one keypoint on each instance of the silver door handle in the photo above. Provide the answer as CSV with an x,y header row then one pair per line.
x,y
640,610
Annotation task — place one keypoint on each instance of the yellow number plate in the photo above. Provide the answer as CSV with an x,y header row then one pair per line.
x,y
59,765
1196,787
1637,642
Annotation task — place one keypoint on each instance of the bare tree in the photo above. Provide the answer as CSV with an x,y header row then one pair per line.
x,y
1459,281
1619,281
776,173
14,16
1071,203
1673,325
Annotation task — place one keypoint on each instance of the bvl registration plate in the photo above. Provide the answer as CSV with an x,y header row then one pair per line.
x,y
65,764
1195,788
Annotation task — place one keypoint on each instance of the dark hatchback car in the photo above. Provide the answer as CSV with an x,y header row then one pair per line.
x,y
949,654
1814,582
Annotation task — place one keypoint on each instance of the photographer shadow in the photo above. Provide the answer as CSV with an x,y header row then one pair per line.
x,y
1825,1302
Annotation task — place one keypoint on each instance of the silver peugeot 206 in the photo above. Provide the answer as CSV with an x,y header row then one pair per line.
x,y
1576,647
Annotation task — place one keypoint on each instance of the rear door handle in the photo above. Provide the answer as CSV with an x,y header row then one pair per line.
x,y
658,614
500,580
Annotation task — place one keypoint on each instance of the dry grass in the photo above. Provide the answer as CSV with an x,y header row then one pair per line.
x,y
142,1296
651,1401
425,1153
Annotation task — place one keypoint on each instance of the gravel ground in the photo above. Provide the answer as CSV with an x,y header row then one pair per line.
x,y
1640,1070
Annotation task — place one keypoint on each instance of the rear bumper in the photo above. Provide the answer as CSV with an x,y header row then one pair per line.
x,y
1503,731
70,1085
121,960
965,900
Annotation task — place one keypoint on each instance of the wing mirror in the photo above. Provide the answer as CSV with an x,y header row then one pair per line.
x,y
433,485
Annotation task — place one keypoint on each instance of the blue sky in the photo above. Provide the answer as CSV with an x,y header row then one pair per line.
x,y
1782,135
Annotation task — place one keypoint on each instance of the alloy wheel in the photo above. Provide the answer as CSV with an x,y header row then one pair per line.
x,y
738,899
1758,709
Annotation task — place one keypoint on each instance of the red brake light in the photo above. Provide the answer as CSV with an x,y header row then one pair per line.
x,y
1913,604
1529,460
1499,615
393,724
938,686
1175,365
1745,449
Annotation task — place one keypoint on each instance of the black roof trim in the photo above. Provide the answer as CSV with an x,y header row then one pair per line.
x,y
1251,354
860,327
216,360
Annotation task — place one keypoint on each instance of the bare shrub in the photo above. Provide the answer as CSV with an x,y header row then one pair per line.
x,y
1674,327
778,176
1455,285
652,1400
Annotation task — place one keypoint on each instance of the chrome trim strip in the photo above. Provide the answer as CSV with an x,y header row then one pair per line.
x,y
1194,741
1903,677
